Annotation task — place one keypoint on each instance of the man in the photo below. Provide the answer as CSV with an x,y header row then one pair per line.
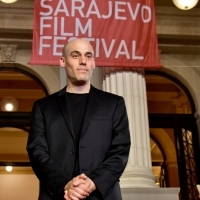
x,y
79,137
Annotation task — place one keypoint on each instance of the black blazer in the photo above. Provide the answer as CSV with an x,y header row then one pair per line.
x,y
103,148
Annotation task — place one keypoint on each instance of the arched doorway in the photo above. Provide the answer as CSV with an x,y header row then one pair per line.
x,y
171,118
19,89
20,85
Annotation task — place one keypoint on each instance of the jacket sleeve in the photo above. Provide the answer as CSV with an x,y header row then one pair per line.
x,y
109,172
49,173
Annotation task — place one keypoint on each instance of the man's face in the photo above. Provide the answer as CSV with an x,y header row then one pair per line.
x,y
78,62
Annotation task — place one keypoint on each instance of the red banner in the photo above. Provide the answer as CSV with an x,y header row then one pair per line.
x,y
122,32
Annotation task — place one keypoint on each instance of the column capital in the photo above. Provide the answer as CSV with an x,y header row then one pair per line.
x,y
109,70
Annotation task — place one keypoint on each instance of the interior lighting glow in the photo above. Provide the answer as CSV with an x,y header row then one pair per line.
x,y
9,168
9,107
185,4
8,1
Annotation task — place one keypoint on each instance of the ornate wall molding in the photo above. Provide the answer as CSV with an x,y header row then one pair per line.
x,y
8,53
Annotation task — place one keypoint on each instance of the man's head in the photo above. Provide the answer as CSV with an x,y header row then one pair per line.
x,y
78,60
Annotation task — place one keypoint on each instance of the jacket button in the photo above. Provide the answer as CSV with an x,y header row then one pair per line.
x,y
71,152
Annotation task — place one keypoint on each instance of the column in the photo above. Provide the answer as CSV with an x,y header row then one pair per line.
x,y
63,77
97,79
130,83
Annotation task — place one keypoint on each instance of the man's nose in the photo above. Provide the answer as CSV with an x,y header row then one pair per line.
x,y
83,59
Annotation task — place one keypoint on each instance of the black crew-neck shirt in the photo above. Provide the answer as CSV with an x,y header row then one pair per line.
x,y
77,105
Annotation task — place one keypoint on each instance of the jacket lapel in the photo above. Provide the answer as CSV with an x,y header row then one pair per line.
x,y
90,109
64,108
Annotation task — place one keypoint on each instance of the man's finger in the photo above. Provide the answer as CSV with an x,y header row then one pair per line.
x,y
78,182
82,176
77,193
66,195
85,188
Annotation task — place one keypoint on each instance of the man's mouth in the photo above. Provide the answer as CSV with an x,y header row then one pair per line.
x,y
82,69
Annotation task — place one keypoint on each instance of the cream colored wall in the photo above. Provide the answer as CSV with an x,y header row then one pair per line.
x,y
49,75
18,187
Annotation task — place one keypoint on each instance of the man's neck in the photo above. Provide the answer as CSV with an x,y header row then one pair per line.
x,y
79,89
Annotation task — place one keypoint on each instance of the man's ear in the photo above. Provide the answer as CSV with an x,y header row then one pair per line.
x,y
62,62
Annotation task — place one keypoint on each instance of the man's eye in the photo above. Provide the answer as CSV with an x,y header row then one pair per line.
x,y
75,55
89,56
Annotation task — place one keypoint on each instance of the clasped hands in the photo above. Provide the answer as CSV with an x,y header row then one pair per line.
x,y
79,188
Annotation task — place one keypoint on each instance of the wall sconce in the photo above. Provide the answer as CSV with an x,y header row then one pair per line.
x,y
185,4
8,1
9,104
